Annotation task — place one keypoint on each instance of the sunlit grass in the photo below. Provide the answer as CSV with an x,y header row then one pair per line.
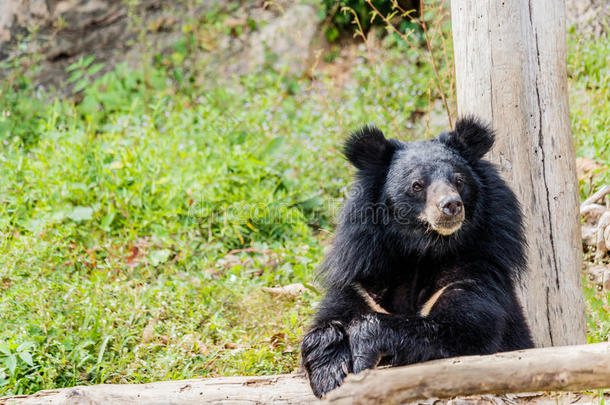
x,y
118,215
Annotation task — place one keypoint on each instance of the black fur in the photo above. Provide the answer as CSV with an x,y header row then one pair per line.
x,y
384,247
471,137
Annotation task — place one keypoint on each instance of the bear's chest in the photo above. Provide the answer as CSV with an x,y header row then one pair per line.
x,y
407,293
405,298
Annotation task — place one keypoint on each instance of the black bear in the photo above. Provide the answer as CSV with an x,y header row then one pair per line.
x,y
424,263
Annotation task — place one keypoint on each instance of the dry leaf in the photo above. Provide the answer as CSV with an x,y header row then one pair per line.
x,y
149,331
277,339
235,22
133,255
229,261
290,290
192,343
5,283
586,166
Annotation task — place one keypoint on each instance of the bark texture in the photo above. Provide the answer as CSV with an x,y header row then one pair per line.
x,y
279,389
510,60
548,369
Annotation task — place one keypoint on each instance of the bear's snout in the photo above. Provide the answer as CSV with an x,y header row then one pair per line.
x,y
451,206
444,211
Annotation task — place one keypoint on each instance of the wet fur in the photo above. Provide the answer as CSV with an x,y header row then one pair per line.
x,y
383,246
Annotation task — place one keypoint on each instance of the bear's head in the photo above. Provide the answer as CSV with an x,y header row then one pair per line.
x,y
429,185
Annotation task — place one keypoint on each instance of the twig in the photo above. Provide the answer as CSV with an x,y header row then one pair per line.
x,y
360,32
433,61
251,250
600,194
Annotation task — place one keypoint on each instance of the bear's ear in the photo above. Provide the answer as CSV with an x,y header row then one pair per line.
x,y
471,136
368,148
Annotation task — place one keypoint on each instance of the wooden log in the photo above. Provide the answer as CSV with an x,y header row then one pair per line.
x,y
568,368
510,64
597,196
284,389
576,368
591,213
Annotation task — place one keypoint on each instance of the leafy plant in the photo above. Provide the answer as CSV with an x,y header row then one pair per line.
x,y
82,71
22,109
588,61
340,21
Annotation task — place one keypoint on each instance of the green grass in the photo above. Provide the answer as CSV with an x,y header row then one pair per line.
x,y
588,61
117,215
589,72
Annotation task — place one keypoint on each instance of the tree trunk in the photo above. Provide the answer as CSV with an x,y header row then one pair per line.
x,y
510,62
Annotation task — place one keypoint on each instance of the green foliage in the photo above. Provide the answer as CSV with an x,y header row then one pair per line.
x,y
22,111
22,106
117,219
588,67
598,313
589,77
81,72
340,21
74,211
138,226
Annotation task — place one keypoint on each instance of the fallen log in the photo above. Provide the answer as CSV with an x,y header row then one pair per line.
x,y
285,389
569,368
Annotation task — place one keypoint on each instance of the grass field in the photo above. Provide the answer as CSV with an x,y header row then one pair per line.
x,y
124,218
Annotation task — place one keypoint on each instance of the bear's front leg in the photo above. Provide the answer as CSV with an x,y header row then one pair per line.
x,y
368,341
326,356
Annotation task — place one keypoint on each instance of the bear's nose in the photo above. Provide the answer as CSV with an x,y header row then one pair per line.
x,y
451,205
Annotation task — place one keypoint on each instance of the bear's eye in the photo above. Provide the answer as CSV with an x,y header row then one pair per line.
x,y
418,185
459,181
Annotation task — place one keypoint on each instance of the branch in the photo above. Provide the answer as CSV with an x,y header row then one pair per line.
x,y
565,368
599,195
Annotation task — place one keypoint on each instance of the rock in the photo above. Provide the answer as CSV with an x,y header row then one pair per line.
x,y
67,30
588,16
16,16
285,41
64,30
